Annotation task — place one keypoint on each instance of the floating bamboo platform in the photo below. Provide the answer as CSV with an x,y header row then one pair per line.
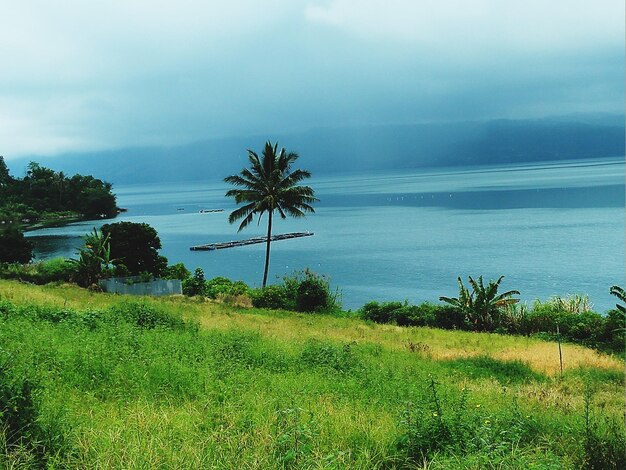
x,y
249,241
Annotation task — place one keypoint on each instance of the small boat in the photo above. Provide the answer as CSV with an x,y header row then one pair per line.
x,y
207,211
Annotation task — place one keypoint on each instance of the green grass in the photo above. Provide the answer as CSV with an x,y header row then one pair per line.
x,y
104,381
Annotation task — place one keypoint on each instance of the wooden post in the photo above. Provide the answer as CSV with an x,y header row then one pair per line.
x,y
558,338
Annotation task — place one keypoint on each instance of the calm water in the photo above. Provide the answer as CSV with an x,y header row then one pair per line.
x,y
550,229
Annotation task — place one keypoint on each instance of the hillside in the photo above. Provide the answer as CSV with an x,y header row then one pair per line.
x,y
104,381
365,148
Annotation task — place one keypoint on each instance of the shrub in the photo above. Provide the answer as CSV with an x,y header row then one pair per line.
x,y
313,295
14,247
175,271
302,291
56,270
380,313
273,297
221,286
195,285
450,318
53,270
403,314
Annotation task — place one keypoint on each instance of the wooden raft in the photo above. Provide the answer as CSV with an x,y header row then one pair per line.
x,y
249,241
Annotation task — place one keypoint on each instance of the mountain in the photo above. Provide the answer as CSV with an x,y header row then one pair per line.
x,y
366,148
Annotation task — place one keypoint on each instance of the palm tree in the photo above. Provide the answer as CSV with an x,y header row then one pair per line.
x,y
482,305
270,185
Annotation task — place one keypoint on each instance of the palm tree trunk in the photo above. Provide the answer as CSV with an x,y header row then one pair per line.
x,y
267,249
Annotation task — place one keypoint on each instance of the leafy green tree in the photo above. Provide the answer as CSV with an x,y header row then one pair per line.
x,y
270,185
14,247
94,259
482,305
195,285
136,245
5,177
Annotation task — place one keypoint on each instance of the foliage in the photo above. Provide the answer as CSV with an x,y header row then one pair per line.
x,y
43,272
620,293
176,271
44,193
94,259
605,332
604,439
270,185
263,389
313,294
135,245
14,247
425,314
273,297
438,427
196,285
302,291
18,413
223,287
483,305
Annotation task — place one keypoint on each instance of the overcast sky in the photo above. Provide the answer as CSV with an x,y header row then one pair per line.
x,y
89,75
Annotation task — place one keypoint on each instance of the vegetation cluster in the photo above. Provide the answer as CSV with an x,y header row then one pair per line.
x,y
91,380
567,318
45,196
44,193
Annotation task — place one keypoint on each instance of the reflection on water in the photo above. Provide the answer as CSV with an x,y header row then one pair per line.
x,y
550,229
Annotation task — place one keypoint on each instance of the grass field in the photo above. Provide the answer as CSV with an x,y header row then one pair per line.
x,y
101,381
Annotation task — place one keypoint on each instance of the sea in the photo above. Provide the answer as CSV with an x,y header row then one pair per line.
x,y
552,229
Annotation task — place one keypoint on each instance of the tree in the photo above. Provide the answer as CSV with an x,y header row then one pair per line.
x,y
270,185
94,259
135,246
482,305
14,247
5,177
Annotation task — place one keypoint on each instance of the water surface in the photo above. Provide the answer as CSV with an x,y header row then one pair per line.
x,y
551,229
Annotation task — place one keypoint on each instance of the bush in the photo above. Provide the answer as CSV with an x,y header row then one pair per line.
x,y
273,297
312,295
302,291
221,286
450,318
380,313
195,285
56,270
175,271
53,270
403,314
14,247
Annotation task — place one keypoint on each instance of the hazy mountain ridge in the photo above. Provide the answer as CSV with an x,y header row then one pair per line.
x,y
361,149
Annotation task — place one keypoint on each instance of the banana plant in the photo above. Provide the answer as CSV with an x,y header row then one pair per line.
x,y
482,305
93,259
620,293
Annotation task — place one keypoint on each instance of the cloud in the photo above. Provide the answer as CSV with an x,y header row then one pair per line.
x,y
96,75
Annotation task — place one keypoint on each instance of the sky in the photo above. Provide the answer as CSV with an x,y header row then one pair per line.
x,y
92,75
